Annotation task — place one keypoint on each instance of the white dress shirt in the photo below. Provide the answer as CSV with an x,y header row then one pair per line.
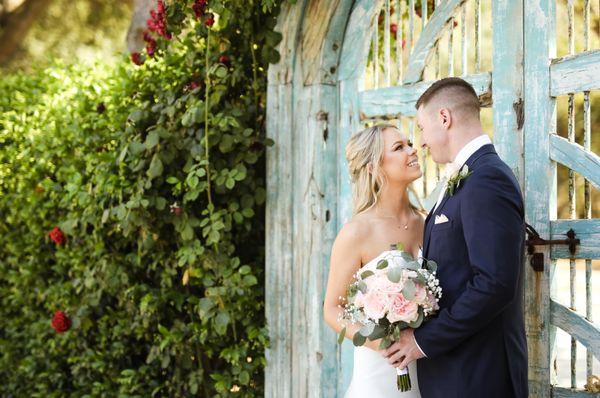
x,y
461,157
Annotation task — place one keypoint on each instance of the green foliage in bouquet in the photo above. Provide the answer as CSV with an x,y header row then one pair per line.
x,y
131,202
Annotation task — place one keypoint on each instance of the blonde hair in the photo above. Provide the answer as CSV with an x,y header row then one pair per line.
x,y
366,148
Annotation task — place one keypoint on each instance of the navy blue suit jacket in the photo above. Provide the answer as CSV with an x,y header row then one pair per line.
x,y
476,345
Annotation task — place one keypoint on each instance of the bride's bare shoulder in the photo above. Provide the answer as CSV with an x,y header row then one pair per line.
x,y
354,231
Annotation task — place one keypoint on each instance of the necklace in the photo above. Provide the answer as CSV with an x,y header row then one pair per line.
x,y
405,226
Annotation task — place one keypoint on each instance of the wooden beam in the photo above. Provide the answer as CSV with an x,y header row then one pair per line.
x,y
539,38
507,80
359,31
429,38
561,392
393,101
575,157
577,326
588,231
575,74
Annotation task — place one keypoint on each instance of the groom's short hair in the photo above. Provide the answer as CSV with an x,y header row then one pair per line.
x,y
457,94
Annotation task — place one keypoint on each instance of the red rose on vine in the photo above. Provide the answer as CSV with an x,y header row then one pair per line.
x,y
150,44
224,59
58,236
136,58
199,8
210,20
158,20
61,322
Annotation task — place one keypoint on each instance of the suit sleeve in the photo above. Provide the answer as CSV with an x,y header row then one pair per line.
x,y
491,212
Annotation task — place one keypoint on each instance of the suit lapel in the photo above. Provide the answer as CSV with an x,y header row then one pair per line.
x,y
430,220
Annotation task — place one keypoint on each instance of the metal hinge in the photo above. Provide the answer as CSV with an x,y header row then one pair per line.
x,y
534,239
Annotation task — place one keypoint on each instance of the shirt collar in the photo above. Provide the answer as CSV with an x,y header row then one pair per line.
x,y
472,146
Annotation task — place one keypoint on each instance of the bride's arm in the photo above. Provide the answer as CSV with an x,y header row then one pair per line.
x,y
344,262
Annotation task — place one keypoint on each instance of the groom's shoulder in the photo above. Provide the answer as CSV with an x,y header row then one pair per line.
x,y
491,181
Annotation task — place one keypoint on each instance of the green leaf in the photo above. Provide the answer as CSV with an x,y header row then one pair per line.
x,y
419,320
406,256
221,321
394,274
156,167
382,264
367,329
409,290
244,377
358,339
378,332
151,139
432,266
342,336
366,274
385,343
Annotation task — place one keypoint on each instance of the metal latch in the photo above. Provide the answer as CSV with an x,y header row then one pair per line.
x,y
534,239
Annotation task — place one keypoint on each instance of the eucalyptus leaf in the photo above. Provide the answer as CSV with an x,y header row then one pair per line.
x,y
394,274
378,332
342,336
358,339
367,329
366,274
385,343
409,290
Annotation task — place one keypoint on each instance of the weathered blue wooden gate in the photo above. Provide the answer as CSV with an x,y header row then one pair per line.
x,y
341,68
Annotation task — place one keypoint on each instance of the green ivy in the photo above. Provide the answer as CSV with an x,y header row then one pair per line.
x,y
156,175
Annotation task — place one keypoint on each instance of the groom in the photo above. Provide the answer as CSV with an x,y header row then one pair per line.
x,y
475,346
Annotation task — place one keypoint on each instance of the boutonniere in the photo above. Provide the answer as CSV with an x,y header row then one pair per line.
x,y
456,178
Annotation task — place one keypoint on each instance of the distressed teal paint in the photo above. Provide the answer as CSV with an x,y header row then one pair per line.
x,y
428,39
588,231
357,38
575,157
507,80
575,74
392,101
539,183
576,325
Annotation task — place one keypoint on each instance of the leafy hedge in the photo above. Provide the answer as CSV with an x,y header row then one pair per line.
x,y
160,196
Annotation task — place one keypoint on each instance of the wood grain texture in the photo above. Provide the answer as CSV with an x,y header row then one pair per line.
x,y
540,189
576,158
575,73
588,231
577,326
400,100
429,38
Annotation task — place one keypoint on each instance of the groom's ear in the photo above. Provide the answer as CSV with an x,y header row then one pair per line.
x,y
445,117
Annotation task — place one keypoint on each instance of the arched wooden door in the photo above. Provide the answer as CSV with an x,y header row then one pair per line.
x,y
347,63
388,61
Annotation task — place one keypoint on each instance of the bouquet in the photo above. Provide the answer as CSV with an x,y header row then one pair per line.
x,y
398,293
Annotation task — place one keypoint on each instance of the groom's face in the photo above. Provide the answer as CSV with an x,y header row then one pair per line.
x,y
434,132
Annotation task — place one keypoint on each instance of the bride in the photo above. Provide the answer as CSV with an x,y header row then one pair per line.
x,y
383,164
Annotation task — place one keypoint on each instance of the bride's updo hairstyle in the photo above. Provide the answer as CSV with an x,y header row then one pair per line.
x,y
366,148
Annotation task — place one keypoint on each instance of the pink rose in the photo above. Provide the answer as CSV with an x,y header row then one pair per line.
x,y
402,310
375,305
381,283
420,294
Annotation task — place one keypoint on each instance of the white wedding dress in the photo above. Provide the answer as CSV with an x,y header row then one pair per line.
x,y
373,376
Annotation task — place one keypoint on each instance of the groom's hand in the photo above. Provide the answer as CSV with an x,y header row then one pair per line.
x,y
403,351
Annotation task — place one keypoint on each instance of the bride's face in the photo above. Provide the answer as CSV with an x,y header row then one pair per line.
x,y
400,161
